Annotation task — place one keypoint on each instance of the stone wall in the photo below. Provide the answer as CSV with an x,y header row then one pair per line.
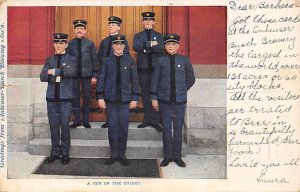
x,y
20,99
206,117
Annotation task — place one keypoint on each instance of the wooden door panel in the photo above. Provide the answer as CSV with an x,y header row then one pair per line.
x,y
97,21
97,29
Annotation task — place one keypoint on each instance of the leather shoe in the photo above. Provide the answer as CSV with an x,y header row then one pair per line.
x,y
180,162
165,162
124,162
51,159
74,125
142,125
87,125
110,161
104,125
65,160
157,127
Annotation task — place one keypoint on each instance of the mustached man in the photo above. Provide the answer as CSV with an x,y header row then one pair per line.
x,y
87,67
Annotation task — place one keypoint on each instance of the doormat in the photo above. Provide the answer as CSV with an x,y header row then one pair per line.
x,y
148,168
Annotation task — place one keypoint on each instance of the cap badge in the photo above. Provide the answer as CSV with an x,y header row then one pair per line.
x,y
111,18
147,14
58,35
79,22
171,36
119,37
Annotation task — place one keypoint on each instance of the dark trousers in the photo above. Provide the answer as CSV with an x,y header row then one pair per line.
x,y
58,115
86,88
172,116
150,114
117,119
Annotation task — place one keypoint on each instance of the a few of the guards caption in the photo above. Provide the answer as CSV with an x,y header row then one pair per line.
x,y
262,95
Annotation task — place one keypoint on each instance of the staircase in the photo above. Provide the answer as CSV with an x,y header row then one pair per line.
x,y
143,143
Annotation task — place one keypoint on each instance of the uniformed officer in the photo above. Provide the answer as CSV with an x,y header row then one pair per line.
x,y
87,68
173,76
149,46
58,72
117,91
105,48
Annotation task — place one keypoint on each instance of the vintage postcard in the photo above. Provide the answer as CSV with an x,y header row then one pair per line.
x,y
216,85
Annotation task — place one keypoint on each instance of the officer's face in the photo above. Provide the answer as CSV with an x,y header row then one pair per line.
x,y
80,31
60,47
113,28
118,48
172,47
148,23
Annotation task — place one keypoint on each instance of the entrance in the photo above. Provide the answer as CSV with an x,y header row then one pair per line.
x,y
97,29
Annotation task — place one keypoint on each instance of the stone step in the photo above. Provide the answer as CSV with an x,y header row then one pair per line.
x,y
98,133
100,148
135,115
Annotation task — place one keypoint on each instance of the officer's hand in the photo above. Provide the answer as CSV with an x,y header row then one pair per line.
x,y
94,80
101,103
50,71
155,105
133,104
153,43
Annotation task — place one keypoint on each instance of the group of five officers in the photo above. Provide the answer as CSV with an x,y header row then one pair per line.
x,y
164,81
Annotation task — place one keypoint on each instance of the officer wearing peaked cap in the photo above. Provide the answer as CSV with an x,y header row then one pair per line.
x,y
173,76
58,72
117,91
87,68
105,48
149,47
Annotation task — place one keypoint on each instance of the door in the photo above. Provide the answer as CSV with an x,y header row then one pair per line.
x,y
97,29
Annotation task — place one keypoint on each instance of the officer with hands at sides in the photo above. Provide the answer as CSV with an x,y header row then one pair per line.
x,y
87,69
105,48
173,76
117,92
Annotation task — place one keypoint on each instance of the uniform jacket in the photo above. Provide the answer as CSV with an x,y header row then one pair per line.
x,y
102,51
143,48
62,91
106,85
90,64
161,80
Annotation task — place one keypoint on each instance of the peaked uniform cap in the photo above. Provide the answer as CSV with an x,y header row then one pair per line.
x,y
114,19
119,39
79,22
172,38
60,37
148,15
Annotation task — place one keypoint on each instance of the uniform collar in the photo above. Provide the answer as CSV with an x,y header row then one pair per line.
x,y
83,37
118,55
61,54
114,34
173,54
